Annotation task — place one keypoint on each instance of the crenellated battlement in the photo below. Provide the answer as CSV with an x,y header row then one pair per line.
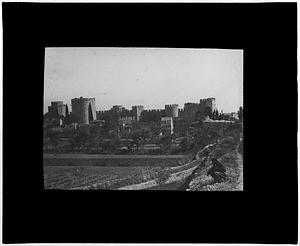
x,y
83,99
153,110
85,109
171,105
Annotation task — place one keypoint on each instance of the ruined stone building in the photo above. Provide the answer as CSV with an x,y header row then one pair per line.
x,y
84,109
126,123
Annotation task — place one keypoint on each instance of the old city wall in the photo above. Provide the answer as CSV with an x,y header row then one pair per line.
x,y
171,110
80,108
92,102
207,102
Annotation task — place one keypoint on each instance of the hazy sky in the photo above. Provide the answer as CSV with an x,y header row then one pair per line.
x,y
151,77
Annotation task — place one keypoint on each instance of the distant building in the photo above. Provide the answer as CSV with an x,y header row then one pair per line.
x,y
126,122
55,115
153,115
52,122
171,110
145,126
190,110
230,116
117,108
207,105
57,108
137,111
208,120
234,115
84,109
72,126
97,122
166,125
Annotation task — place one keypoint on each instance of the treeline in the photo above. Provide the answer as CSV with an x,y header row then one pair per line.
x,y
104,141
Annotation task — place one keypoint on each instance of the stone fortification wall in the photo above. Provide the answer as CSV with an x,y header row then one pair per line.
x,y
137,111
101,114
154,111
193,110
208,103
181,113
190,110
152,115
57,107
80,108
171,110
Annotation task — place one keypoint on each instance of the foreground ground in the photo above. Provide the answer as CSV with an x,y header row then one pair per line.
x,y
144,172
96,174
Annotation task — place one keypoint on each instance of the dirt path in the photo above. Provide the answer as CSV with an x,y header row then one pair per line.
x,y
178,180
173,181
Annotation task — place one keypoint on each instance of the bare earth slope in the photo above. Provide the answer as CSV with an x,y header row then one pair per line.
x,y
233,162
195,177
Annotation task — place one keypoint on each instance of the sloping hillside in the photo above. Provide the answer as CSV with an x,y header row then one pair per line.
x,y
193,176
227,153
